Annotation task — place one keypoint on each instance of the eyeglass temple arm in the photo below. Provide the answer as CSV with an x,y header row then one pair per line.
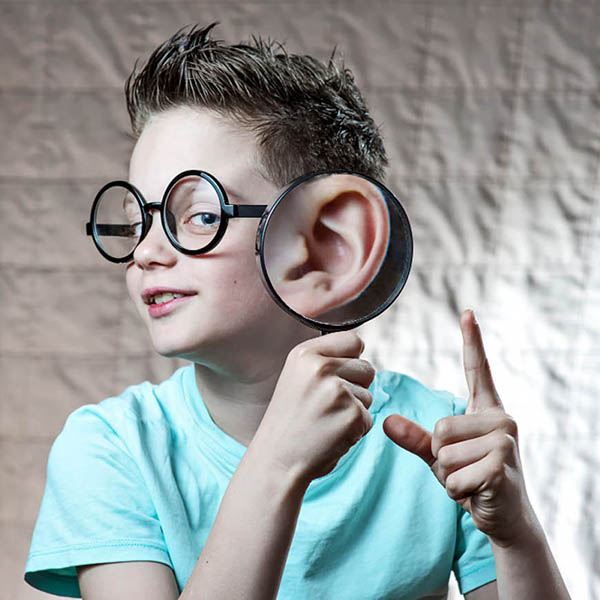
x,y
109,229
244,210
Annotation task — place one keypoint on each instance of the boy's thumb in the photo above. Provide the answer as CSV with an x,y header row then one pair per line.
x,y
410,436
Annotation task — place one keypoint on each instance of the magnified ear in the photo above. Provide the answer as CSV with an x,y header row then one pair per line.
x,y
327,242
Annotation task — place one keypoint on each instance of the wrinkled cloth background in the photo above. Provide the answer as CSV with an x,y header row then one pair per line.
x,y
491,117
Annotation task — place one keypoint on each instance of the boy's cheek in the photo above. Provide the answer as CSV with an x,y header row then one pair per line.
x,y
130,283
133,283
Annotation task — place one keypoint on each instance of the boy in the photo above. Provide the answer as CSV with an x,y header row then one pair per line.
x,y
262,470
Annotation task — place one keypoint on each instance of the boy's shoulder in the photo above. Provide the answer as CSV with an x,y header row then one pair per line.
x,y
134,428
144,402
395,392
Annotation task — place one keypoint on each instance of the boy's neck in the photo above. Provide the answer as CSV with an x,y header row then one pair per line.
x,y
237,404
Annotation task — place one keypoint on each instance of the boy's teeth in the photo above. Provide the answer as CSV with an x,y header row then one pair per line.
x,y
165,297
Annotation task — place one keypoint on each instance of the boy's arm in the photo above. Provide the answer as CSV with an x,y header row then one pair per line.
x,y
319,409
245,552
526,569
249,542
127,580
243,557
475,456
489,591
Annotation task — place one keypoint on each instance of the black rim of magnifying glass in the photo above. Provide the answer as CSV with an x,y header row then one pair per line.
x,y
227,211
260,256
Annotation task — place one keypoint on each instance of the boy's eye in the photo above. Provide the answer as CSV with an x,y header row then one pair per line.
x,y
206,219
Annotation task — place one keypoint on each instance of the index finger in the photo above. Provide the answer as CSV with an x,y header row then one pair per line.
x,y
340,344
482,391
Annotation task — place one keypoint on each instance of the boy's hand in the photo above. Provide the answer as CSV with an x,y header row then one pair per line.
x,y
475,456
319,408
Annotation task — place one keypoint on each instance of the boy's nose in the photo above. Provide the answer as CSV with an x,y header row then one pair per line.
x,y
155,249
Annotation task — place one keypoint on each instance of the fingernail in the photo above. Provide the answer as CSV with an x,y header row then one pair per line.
x,y
474,317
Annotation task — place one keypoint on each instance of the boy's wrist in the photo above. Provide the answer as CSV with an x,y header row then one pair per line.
x,y
273,474
527,534
525,567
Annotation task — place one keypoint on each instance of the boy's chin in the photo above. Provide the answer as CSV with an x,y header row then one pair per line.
x,y
168,353
172,349
192,350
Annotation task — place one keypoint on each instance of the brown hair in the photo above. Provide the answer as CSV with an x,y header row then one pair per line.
x,y
307,115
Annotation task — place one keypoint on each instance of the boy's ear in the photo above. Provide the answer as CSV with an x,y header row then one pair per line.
x,y
331,244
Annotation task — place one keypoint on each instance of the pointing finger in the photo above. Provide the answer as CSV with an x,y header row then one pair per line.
x,y
482,391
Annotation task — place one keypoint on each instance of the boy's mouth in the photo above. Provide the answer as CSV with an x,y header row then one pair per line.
x,y
155,296
164,297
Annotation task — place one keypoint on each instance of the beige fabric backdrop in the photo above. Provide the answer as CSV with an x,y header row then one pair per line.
x,y
491,116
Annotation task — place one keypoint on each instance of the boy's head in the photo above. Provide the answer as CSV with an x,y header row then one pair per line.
x,y
306,115
254,118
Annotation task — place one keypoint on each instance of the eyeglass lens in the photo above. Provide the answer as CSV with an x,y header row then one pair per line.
x,y
118,221
193,214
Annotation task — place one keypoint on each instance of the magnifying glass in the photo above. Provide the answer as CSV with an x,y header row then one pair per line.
x,y
335,249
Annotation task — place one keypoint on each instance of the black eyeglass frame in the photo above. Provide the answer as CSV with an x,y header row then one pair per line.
x,y
228,211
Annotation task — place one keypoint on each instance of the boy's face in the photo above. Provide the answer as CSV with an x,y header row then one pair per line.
x,y
225,301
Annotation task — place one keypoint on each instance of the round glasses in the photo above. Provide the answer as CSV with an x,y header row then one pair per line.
x,y
194,212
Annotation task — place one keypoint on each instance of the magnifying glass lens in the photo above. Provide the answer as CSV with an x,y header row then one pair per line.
x,y
335,249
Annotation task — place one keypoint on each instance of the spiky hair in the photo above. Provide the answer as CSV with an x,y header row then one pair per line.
x,y
307,115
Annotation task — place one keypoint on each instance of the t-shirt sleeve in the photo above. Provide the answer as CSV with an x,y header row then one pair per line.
x,y
95,509
474,564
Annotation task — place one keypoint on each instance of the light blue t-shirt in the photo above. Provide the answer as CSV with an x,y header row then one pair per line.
x,y
140,477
